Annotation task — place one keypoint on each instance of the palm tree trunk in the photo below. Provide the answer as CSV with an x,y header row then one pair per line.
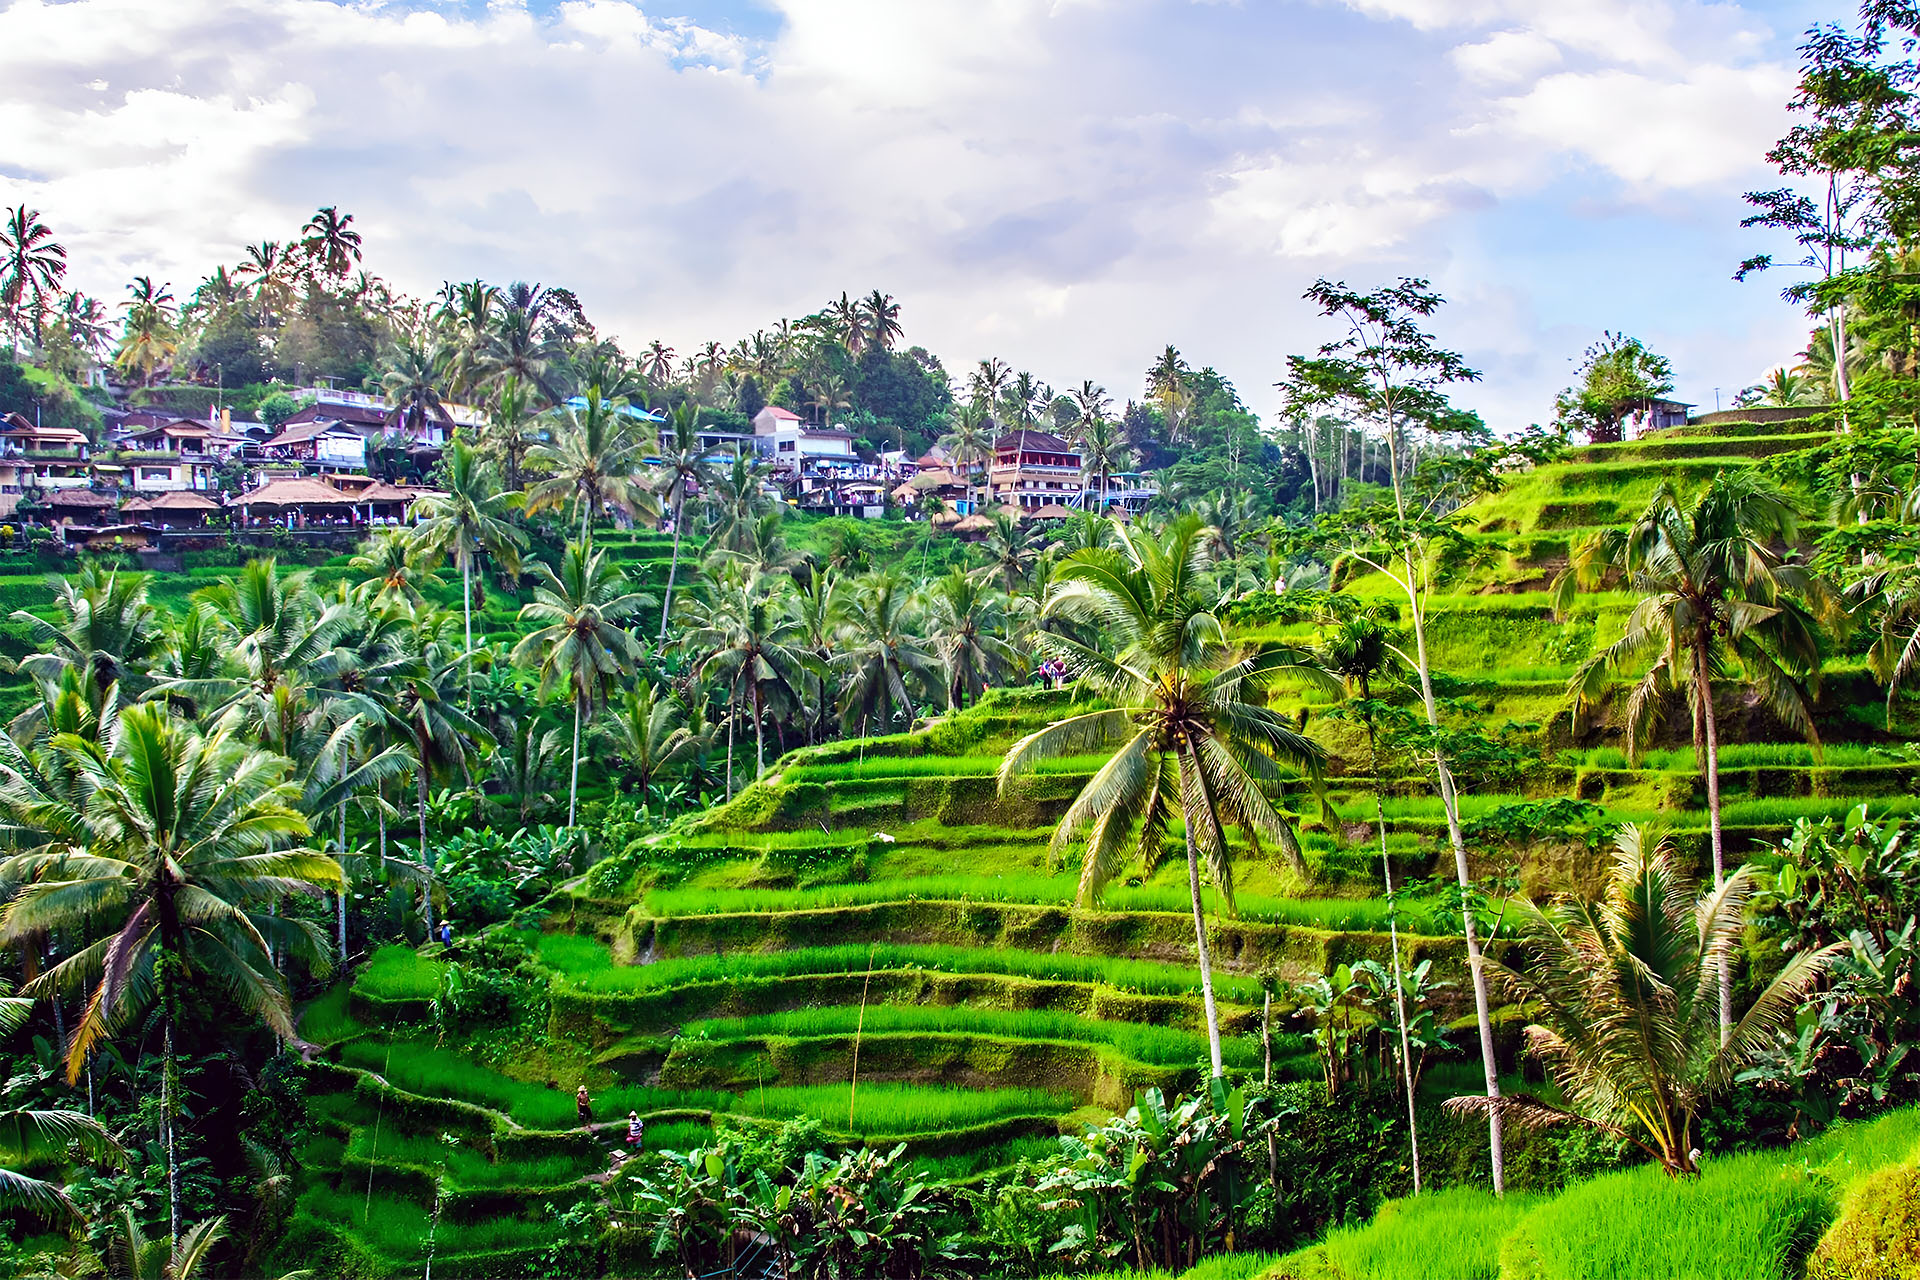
x,y
1206,959
673,565
466,604
1476,962
573,782
1710,731
342,896
169,1100
759,732
426,858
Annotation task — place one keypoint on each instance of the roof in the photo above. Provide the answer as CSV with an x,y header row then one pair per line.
x,y
634,411
784,415
973,524
135,504
299,491
76,498
381,491
351,414
176,500
935,479
1052,511
17,424
1045,441
295,432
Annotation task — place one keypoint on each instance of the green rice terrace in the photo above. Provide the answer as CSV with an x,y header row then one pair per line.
x,y
884,906
787,813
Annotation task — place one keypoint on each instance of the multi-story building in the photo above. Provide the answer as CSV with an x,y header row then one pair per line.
x,y
35,459
1033,468
166,457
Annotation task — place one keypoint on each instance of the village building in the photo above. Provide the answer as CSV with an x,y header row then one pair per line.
x,y
34,458
1033,468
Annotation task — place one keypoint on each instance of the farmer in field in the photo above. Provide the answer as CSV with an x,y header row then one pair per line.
x,y
583,1105
636,1131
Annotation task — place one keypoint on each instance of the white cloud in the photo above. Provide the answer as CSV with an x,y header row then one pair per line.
x,y
1068,185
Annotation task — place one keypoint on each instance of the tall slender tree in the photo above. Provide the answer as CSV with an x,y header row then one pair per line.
x,y
1196,738
470,518
581,643
32,265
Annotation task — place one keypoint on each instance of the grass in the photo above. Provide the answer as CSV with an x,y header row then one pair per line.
x,y
1338,914
466,1167
1226,1266
326,1020
896,1110
1444,1235
972,1163
588,965
979,766
398,1228
399,973
1745,1216
1738,755
1161,1046
421,1068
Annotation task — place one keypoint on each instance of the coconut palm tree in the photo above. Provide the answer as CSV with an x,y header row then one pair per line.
x,y
150,334
683,468
988,380
581,643
104,622
880,320
967,620
884,657
518,346
182,837
1103,451
1198,738
1627,995
415,687
509,432
29,1138
829,397
468,519
387,558
330,242
747,637
85,320
647,728
32,264
413,382
593,462
1011,551
1713,591
970,442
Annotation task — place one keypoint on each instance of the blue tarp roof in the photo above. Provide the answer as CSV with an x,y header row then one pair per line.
x,y
579,403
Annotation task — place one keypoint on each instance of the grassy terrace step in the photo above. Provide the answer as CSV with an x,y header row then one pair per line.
x,y
1243,945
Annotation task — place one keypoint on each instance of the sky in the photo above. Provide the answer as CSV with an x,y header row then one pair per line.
x,y
1068,185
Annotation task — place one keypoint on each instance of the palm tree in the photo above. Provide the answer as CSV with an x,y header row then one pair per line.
x,y
580,643
181,837
134,1257
508,436
1785,389
656,364
745,634
266,264
466,520
683,467
968,620
1103,450
518,346
105,623
884,657
414,691
1011,551
647,729
829,396
593,461
32,264
387,558
880,320
413,383
737,502
29,1138
85,320
330,242
150,336
1199,739
1712,589
987,381
970,441
1626,992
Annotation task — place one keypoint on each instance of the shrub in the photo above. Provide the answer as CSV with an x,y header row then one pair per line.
x,y
1878,1234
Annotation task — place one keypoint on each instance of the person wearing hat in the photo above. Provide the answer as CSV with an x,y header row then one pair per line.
x,y
636,1131
584,1107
